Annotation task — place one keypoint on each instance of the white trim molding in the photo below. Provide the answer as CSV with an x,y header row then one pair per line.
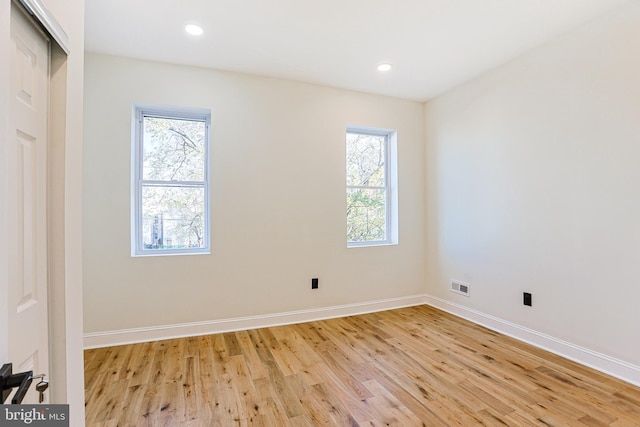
x,y
598,361
154,333
37,9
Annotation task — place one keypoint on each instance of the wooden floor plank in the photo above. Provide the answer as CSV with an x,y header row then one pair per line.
x,y
411,366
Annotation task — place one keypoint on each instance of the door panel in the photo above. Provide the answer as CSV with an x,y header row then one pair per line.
x,y
27,199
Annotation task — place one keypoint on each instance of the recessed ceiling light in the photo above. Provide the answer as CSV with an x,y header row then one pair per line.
x,y
384,67
194,30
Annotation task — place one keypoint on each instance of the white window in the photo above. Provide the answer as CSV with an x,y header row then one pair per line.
x,y
371,187
170,202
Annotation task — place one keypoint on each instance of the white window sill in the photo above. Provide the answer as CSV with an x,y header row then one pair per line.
x,y
145,255
372,244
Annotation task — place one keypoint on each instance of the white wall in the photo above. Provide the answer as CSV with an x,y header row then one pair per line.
x,y
277,196
533,175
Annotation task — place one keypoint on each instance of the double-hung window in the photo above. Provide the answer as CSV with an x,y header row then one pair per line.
x,y
170,203
371,186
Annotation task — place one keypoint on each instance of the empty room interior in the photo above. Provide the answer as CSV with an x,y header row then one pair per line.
x,y
482,269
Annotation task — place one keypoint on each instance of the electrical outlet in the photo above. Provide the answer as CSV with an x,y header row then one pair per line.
x,y
527,299
314,283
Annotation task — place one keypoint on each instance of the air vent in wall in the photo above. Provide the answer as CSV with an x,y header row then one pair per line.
x,y
460,287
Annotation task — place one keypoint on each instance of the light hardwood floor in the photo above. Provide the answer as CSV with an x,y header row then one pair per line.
x,y
413,366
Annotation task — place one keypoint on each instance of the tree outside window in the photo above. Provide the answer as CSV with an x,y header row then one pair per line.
x,y
171,168
368,186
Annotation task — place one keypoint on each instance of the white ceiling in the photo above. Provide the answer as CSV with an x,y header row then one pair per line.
x,y
434,45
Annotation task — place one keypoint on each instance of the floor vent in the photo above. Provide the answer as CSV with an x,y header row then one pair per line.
x,y
460,287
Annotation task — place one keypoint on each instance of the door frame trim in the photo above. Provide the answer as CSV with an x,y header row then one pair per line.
x,y
42,15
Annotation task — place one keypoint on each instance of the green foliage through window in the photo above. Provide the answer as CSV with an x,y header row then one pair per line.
x,y
367,187
172,182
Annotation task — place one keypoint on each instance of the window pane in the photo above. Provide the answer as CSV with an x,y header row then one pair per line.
x,y
173,150
365,160
173,217
366,215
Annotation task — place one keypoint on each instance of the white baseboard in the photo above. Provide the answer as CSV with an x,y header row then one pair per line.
x,y
154,333
601,362
598,361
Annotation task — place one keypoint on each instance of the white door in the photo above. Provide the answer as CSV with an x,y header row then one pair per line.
x,y
26,198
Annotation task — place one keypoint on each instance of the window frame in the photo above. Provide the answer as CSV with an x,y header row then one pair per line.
x,y
390,181
140,111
